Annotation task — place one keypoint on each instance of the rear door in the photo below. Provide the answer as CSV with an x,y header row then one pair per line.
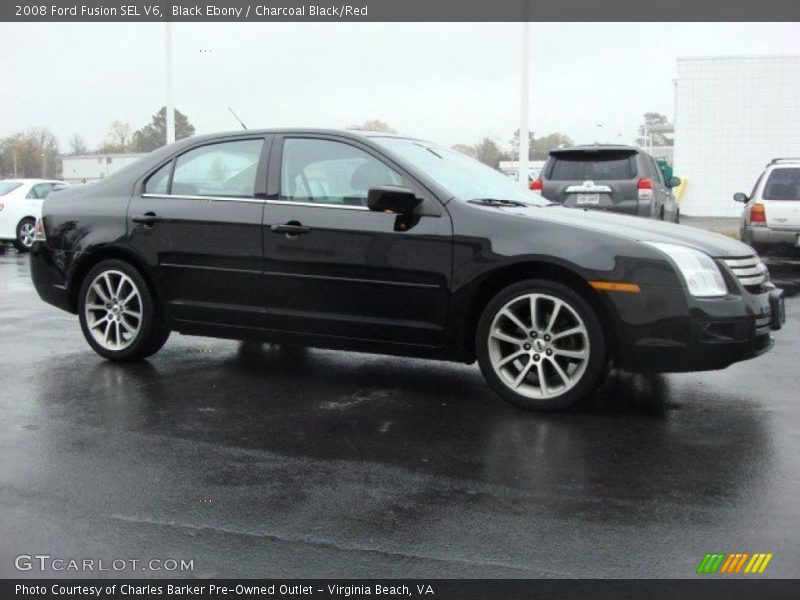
x,y
600,178
335,268
197,221
781,196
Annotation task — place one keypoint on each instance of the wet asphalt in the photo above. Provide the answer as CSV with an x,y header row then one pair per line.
x,y
260,461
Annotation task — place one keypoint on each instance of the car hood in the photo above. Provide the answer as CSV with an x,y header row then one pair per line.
x,y
639,229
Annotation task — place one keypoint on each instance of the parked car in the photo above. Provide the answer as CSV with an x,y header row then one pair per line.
x,y
20,205
771,215
379,243
621,179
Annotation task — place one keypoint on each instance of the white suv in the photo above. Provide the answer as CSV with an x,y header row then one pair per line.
x,y
771,215
20,206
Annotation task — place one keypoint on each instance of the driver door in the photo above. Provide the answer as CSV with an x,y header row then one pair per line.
x,y
335,268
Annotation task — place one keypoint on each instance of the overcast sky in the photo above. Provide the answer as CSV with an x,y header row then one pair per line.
x,y
446,82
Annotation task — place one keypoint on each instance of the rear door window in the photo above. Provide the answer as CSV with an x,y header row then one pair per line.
x,y
225,169
783,184
594,166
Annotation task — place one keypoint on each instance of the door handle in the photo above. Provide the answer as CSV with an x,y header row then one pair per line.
x,y
147,219
291,228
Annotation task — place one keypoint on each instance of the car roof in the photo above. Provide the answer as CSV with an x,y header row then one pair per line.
x,y
351,133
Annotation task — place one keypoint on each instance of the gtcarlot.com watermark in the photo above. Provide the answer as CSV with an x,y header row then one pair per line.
x,y
56,564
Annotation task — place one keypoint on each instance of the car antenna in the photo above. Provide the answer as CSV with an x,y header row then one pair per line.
x,y
235,116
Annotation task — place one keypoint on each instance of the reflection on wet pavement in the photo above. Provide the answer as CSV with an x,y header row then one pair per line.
x,y
322,463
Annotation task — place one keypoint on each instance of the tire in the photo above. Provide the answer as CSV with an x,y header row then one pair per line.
x,y
677,216
517,380
25,230
661,214
112,294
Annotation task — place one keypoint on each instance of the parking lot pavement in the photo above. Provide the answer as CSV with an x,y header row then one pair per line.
x,y
265,461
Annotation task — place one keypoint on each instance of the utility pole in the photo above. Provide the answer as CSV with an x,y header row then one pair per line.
x,y
524,142
44,165
14,154
170,100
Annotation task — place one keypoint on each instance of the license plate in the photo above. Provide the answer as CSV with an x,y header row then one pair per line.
x,y
587,199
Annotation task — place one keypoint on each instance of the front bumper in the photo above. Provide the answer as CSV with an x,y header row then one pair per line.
x,y
711,335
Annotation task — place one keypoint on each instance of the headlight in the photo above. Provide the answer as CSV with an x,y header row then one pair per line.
x,y
701,273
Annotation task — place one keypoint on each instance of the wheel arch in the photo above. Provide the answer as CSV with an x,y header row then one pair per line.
x,y
503,277
98,255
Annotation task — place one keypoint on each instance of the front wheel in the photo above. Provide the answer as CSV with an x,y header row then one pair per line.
x,y
540,345
25,232
118,316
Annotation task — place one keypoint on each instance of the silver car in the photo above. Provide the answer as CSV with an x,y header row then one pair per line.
x,y
771,215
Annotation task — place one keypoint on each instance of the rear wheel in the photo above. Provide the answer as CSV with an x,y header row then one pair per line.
x,y
540,345
118,315
25,231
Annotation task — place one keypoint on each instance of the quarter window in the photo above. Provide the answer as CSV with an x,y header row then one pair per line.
x,y
159,181
224,169
331,172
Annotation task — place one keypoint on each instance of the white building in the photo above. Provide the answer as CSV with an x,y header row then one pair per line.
x,y
84,168
733,114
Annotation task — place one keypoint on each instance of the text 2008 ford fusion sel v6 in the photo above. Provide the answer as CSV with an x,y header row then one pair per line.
x,y
379,243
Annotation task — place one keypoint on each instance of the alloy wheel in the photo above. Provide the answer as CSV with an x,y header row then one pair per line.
x,y
113,310
538,346
26,233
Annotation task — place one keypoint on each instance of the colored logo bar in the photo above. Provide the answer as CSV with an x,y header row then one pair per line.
x,y
734,563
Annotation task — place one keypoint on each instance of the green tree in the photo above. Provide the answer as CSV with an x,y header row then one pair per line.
x,y
515,144
541,147
489,153
465,149
154,134
657,129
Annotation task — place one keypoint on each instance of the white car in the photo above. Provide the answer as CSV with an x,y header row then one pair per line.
x,y
771,215
20,206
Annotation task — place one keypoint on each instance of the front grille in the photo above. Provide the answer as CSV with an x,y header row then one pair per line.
x,y
750,271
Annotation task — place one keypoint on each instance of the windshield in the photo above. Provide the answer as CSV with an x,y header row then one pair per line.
x,y
8,186
462,176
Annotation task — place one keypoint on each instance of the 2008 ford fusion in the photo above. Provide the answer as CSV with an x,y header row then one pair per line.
x,y
386,244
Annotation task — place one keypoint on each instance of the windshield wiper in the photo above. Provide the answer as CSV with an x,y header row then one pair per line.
x,y
498,202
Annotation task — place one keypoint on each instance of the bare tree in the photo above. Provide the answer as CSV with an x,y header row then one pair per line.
x,y
33,153
118,139
77,145
374,125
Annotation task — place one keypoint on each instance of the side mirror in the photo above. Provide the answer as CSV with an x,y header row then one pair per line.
x,y
740,197
674,182
390,199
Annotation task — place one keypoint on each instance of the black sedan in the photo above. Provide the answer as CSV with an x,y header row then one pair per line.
x,y
378,243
